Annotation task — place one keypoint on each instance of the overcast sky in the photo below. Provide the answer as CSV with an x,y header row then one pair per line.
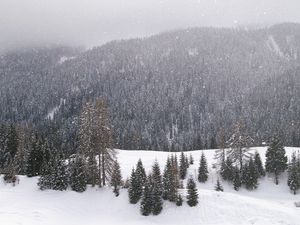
x,y
94,22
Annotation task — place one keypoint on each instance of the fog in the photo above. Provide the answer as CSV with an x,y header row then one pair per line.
x,y
94,22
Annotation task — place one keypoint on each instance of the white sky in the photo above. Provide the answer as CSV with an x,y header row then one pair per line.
x,y
94,22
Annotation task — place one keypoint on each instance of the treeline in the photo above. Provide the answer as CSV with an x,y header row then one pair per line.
x,y
170,92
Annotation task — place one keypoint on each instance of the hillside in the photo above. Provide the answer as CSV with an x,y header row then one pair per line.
x,y
172,91
269,204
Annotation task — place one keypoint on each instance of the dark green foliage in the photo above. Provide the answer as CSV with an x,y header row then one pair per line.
x,y
35,158
169,182
140,172
147,201
192,196
202,170
259,165
135,189
182,166
179,200
156,198
191,160
77,174
60,177
294,175
237,183
219,186
156,177
227,170
250,175
276,161
116,178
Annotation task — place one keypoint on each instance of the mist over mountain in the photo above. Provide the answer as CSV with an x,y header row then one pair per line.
x,y
171,91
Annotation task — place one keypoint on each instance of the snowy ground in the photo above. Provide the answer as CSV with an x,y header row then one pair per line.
x,y
269,204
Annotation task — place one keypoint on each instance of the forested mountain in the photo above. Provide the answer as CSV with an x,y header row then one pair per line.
x,y
172,91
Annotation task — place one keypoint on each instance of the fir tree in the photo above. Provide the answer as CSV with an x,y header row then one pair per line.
x,y
140,172
156,176
250,175
156,198
202,170
237,183
169,182
191,159
135,189
182,166
179,200
276,161
293,175
35,158
192,196
218,186
116,178
227,170
77,174
259,165
60,177
147,201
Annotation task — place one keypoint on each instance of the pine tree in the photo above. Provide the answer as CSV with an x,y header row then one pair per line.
x,y
179,200
147,201
140,172
192,196
202,170
250,175
156,176
156,198
218,186
239,144
182,166
293,175
276,161
169,182
77,174
116,178
135,189
237,183
227,170
60,177
191,159
259,165
35,158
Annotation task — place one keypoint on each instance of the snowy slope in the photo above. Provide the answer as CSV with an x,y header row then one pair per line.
x,y
269,204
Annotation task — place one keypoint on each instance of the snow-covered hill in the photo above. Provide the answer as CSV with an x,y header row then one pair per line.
x,y
269,204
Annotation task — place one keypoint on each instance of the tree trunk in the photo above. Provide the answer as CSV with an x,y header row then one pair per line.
x,y
99,166
103,169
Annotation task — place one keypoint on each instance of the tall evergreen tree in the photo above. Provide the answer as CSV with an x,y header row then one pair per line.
x,y
259,165
227,170
191,160
135,189
169,182
237,183
202,170
147,200
276,160
116,178
179,200
239,144
156,197
182,166
77,174
250,175
156,176
140,172
35,158
192,196
293,175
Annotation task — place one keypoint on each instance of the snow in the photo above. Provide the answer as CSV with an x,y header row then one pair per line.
x,y
270,204
54,110
65,58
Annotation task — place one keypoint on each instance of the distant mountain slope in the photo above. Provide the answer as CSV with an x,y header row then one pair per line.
x,y
169,91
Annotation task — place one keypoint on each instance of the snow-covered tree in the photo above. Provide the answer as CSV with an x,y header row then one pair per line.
x,y
293,174
77,174
259,165
202,170
116,178
218,186
192,193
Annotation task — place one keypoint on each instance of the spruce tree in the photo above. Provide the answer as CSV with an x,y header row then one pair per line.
x,y
140,172
156,176
156,198
202,170
192,196
227,170
276,161
179,200
237,183
182,166
77,174
218,186
147,201
259,165
135,189
169,182
191,161
250,175
293,175
35,158
116,178
60,177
